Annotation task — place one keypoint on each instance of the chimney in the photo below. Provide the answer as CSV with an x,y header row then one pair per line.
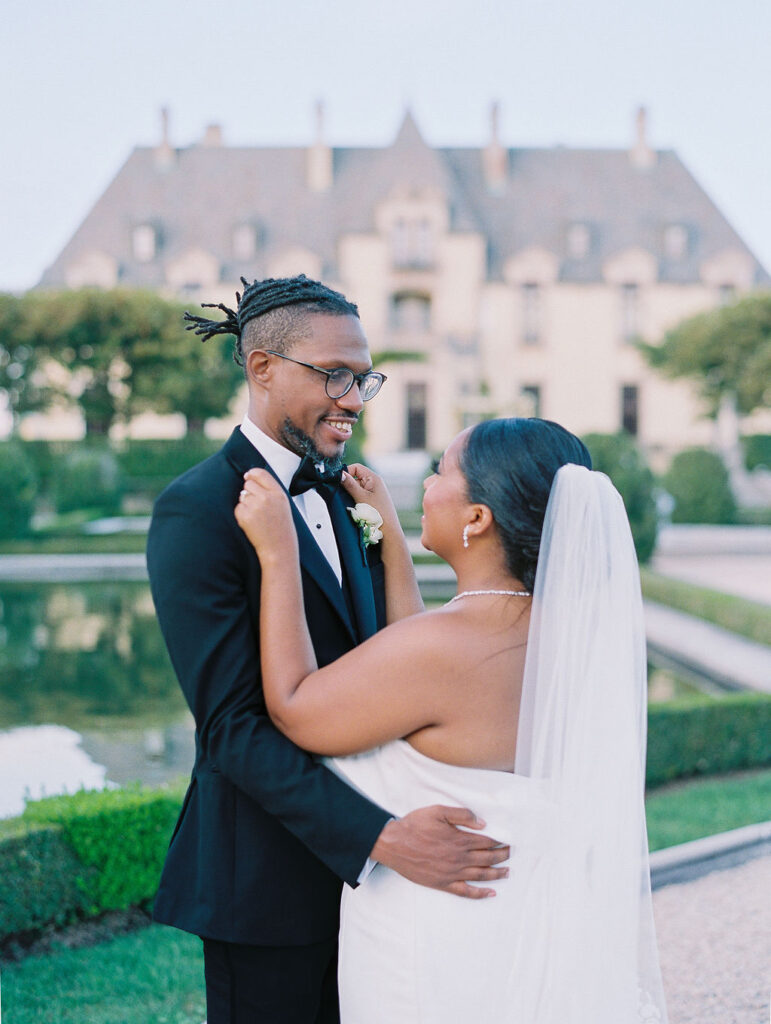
x,y
164,154
494,156
319,158
641,155
212,137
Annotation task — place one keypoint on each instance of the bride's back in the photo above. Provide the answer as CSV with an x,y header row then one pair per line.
x,y
478,658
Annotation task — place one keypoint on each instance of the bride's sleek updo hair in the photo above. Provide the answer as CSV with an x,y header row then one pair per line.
x,y
509,465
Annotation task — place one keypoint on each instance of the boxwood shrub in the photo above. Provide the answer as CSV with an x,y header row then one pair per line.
x,y
698,481
708,737
71,857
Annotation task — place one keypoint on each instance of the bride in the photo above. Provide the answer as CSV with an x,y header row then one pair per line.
x,y
524,698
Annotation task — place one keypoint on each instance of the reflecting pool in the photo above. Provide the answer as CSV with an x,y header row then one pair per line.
x,y
87,693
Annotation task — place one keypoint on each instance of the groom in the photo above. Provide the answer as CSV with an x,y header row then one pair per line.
x,y
266,833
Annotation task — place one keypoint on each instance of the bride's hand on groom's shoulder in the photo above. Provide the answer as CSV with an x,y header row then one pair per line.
x,y
365,486
263,513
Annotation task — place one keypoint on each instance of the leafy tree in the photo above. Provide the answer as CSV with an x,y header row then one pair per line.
x,y
619,457
123,351
727,351
188,377
95,337
20,382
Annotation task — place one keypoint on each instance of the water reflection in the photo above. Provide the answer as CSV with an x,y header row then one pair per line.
x,y
79,651
41,760
83,668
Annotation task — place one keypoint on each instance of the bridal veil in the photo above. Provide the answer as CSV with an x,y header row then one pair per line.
x,y
591,955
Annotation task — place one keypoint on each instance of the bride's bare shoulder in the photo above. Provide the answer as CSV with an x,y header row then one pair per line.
x,y
434,633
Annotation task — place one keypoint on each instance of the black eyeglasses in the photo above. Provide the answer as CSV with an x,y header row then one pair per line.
x,y
340,380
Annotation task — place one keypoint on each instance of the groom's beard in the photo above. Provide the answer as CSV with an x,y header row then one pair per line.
x,y
297,441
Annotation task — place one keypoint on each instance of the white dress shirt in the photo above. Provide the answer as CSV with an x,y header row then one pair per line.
x,y
310,505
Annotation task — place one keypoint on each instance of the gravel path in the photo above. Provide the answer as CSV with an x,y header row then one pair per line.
x,y
715,942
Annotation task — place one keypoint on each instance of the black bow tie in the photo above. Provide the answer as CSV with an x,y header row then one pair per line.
x,y
311,475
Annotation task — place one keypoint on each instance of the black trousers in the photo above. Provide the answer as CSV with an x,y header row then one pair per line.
x,y
271,984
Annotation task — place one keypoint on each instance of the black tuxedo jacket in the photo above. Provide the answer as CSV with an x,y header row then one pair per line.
x,y
265,834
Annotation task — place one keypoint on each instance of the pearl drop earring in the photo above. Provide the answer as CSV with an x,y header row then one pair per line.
x,y
465,536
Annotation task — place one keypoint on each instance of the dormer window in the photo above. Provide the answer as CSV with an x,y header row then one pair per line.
x,y
579,241
676,241
411,313
412,242
144,243
244,242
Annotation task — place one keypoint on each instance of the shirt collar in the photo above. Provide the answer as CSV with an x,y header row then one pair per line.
x,y
280,459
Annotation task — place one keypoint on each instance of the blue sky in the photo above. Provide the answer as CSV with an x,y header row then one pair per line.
x,y
82,83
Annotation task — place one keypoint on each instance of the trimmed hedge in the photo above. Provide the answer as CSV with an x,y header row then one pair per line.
x,y
708,737
70,857
737,614
89,477
41,877
149,465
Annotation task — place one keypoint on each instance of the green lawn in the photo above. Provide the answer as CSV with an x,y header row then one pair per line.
x,y
689,810
153,976
748,618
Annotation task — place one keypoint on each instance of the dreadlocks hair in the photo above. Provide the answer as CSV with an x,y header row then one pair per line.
x,y
271,314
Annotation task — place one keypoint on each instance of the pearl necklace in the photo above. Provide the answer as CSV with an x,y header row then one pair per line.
x,y
478,593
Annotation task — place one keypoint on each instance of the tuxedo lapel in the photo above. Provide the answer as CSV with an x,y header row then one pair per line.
x,y
242,454
353,559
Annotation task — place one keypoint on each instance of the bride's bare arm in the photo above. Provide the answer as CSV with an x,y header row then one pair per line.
x,y
386,688
402,594
373,685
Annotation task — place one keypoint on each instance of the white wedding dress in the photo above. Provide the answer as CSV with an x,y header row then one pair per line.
x,y
569,937
408,953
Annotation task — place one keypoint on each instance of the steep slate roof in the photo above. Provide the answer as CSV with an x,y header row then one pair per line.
x,y
208,191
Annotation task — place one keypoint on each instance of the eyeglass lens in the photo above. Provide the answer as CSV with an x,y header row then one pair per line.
x,y
340,382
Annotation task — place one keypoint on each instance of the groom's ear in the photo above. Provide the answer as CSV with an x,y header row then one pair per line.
x,y
258,367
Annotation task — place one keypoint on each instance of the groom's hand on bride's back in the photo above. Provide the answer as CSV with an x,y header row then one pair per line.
x,y
428,847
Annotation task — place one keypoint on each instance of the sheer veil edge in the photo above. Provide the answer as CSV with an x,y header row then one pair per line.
x,y
582,734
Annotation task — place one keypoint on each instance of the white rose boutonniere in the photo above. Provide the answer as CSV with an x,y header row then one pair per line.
x,y
369,521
